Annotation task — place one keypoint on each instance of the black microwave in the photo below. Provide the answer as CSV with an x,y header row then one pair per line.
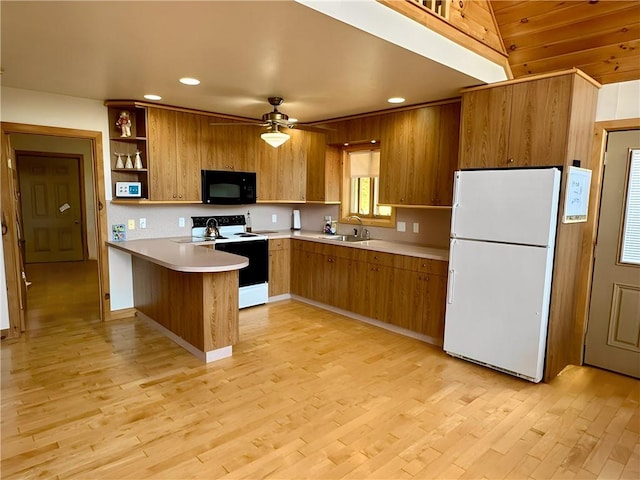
x,y
223,187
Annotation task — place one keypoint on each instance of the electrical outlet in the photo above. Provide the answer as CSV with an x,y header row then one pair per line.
x,y
143,223
416,227
131,224
401,227
181,222
274,218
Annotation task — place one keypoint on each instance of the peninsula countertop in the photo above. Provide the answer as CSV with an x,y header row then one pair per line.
x,y
181,257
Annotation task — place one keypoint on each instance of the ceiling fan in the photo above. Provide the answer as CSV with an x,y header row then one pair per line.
x,y
275,120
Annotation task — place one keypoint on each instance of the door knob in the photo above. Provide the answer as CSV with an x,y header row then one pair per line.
x,y
77,222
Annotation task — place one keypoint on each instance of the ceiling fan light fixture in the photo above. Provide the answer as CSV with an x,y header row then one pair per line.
x,y
274,138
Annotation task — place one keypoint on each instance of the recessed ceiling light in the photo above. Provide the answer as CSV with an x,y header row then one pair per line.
x,y
395,100
373,141
150,96
190,81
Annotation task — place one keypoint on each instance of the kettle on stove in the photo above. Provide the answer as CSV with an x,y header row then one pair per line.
x,y
212,228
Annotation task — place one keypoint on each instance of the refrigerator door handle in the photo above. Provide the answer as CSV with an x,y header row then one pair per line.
x,y
455,203
450,282
452,272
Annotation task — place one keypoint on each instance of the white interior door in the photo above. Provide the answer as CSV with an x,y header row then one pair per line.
x,y
51,208
613,332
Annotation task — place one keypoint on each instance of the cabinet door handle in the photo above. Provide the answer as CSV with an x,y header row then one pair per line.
x,y
510,160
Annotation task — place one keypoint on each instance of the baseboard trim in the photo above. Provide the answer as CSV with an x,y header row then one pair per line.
x,y
278,298
371,321
206,357
122,313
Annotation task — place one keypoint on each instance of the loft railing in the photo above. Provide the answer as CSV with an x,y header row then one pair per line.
x,y
439,7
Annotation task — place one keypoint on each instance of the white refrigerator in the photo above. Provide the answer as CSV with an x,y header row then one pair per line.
x,y
503,229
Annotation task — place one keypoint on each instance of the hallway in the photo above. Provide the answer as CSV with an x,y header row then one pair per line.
x,y
61,292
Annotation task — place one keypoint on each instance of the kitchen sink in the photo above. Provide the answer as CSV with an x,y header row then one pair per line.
x,y
345,238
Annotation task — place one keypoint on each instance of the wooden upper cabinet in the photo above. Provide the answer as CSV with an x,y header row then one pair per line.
x,y
323,170
228,147
418,155
282,171
174,152
520,124
188,156
448,145
355,130
540,121
161,127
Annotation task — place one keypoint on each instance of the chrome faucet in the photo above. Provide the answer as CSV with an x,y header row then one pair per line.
x,y
364,233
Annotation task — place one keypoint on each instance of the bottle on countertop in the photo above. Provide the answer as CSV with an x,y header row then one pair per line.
x,y
248,220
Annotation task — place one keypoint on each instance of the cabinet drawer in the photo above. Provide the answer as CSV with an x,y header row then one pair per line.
x,y
279,244
387,259
425,265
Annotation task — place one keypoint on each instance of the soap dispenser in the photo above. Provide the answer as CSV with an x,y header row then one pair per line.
x,y
248,224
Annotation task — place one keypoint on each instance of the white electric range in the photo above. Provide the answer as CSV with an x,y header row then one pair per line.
x,y
254,279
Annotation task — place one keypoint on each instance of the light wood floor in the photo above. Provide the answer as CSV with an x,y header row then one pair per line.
x,y
307,394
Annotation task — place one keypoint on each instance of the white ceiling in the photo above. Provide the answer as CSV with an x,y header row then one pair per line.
x,y
242,52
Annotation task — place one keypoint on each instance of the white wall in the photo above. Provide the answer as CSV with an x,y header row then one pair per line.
x,y
619,100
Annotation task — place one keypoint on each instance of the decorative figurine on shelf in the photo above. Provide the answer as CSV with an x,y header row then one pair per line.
x,y
129,163
119,162
138,161
124,123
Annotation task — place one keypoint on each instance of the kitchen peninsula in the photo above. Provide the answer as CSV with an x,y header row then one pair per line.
x,y
188,291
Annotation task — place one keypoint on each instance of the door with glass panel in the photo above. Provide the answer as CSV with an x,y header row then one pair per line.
x,y
613,333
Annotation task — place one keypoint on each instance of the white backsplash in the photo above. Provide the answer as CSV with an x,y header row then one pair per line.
x,y
163,220
434,224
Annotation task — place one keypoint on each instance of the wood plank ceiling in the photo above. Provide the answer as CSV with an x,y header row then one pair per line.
x,y
601,38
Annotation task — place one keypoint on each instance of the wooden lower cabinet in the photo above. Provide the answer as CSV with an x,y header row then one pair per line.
x,y
279,266
394,289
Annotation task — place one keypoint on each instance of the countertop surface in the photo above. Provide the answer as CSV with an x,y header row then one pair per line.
x,y
175,254
398,248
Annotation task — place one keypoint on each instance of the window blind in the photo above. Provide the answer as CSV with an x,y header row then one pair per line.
x,y
364,163
630,252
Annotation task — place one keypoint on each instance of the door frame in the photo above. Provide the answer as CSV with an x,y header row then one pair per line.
x,y
11,254
81,189
590,233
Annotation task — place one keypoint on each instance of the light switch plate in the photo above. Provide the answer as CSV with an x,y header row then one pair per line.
x,y
131,224
274,218
143,223
181,222
416,227
401,227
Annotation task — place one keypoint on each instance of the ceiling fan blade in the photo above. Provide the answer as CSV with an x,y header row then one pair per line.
x,y
255,124
311,128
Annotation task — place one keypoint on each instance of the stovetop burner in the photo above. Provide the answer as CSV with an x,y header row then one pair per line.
x,y
231,228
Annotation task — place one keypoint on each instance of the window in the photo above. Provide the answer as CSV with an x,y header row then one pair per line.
x,y
630,245
361,187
